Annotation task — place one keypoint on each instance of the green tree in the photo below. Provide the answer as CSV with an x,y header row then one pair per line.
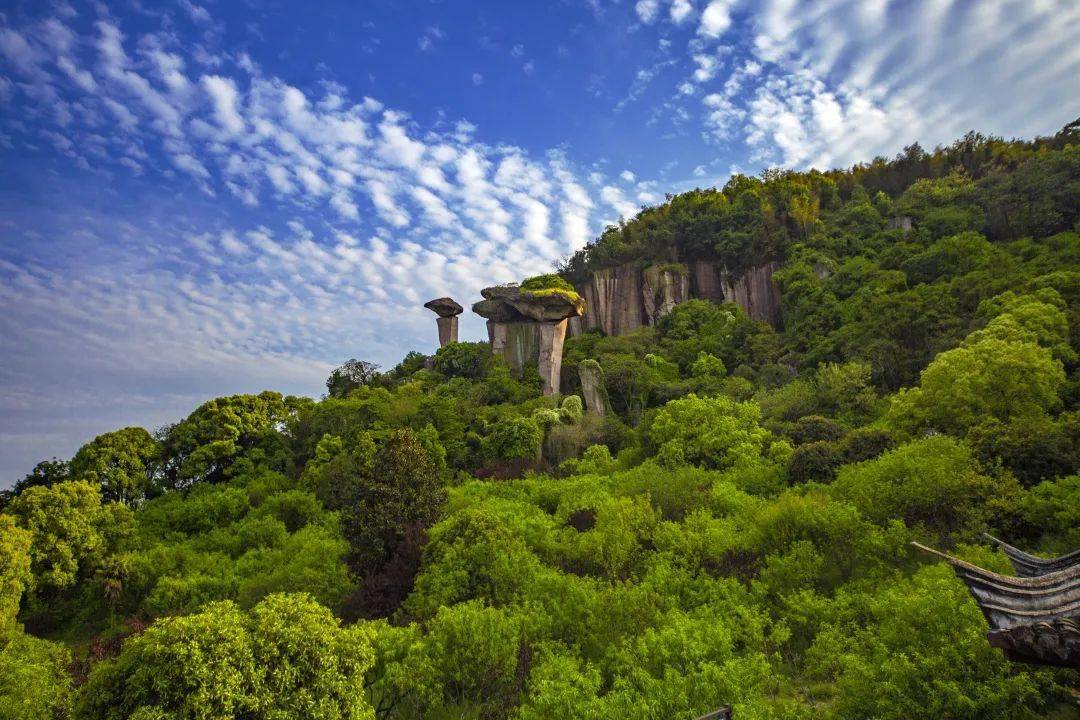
x,y
934,482
350,376
514,439
287,658
72,531
206,444
401,494
466,360
15,575
990,378
712,432
124,463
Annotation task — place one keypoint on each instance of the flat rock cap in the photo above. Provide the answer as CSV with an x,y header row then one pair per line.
x,y
444,307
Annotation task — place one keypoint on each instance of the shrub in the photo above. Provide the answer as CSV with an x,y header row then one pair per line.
x,y
934,482
712,432
815,428
514,439
464,359
815,461
571,409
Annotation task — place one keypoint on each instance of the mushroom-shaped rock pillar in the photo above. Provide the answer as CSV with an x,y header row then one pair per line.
x,y
526,325
448,311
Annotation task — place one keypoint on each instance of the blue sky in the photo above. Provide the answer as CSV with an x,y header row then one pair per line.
x,y
201,198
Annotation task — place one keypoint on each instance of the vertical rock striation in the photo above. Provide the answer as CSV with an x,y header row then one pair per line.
x,y
755,292
529,326
662,288
624,298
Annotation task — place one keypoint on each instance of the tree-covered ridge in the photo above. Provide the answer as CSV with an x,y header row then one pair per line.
x,y
1003,188
442,541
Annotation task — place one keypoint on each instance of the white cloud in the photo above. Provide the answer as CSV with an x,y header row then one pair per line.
x,y
197,12
680,11
707,65
80,77
231,244
614,197
477,79
715,18
190,164
223,94
647,10
429,37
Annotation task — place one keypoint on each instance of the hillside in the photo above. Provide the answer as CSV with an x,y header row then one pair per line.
x,y
715,507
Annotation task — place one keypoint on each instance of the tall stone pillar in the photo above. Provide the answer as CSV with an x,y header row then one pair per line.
x,y
448,312
526,325
592,387
549,362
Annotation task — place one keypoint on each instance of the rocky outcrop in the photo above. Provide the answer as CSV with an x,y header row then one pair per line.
x,y
755,292
526,326
613,297
448,310
592,387
900,222
705,281
624,298
662,288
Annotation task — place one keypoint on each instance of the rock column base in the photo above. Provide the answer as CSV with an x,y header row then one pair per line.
x,y
447,330
549,362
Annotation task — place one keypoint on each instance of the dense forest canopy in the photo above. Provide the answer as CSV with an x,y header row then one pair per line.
x,y
440,540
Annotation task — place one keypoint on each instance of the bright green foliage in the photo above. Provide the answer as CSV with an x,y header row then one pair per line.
x,y
551,281
708,366
350,376
34,679
15,576
990,378
72,531
464,360
711,432
917,649
933,482
205,445
736,529
722,331
287,658
123,463
514,439
1052,509
571,409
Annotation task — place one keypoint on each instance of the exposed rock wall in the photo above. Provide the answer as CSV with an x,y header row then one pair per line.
x,y
755,292
518,343
705,281
613,300
624,298
448,327
662,288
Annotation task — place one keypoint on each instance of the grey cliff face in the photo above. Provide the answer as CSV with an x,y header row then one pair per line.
x,y
624,298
